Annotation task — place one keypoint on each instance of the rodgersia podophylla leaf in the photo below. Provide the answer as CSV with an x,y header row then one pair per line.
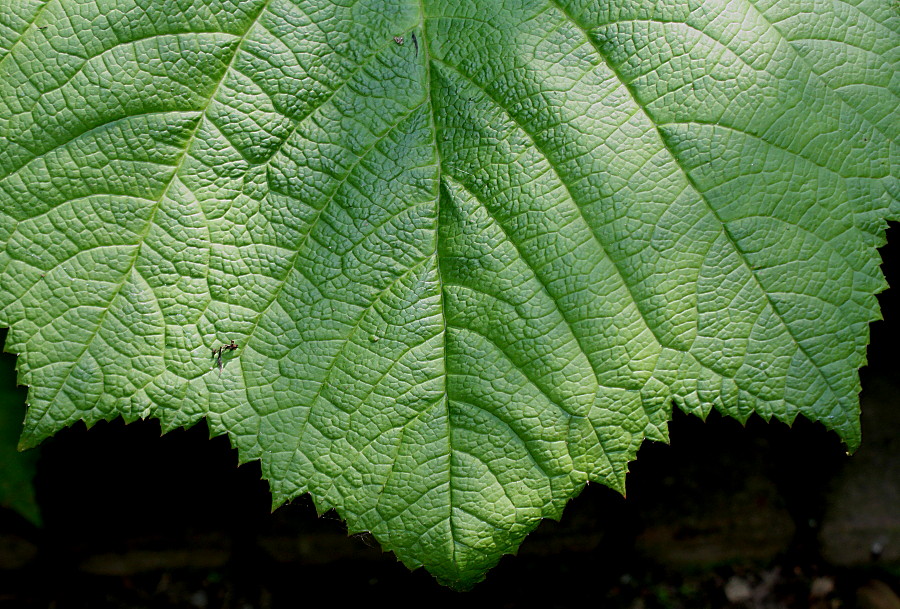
x,y
440,263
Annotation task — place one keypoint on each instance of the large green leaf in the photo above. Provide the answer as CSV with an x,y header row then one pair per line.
x,y
470,252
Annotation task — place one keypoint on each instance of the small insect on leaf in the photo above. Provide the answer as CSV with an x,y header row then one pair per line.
x,y
218,351
366,538
398,40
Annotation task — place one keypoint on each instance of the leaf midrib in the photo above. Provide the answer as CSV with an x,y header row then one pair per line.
x,y
429,85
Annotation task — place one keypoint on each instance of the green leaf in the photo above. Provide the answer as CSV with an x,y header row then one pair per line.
x,y
470,253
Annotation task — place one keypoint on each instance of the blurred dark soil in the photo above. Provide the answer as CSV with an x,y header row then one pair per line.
x,y
727,516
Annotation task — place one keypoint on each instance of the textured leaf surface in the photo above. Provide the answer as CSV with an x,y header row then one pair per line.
x,y
470,252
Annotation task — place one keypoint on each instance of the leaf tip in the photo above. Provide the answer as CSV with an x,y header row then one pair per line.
x,y
277,501
852,443
27,442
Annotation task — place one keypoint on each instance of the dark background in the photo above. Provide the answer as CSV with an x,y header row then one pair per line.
x,y
761,516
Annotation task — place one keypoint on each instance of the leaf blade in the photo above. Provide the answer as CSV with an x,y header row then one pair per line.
x,y
465,275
